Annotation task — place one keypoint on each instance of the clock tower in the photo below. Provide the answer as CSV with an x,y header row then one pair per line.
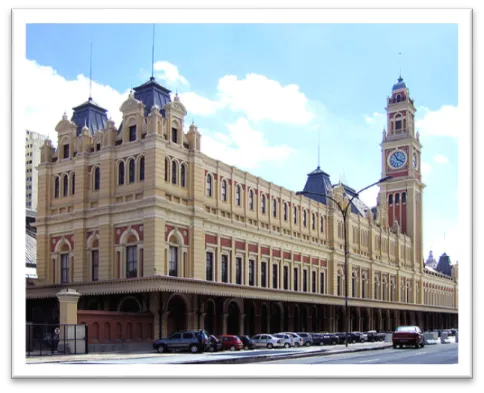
x,y
401,159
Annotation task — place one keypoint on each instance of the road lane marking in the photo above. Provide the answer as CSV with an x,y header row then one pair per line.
x,y
420,353
371,360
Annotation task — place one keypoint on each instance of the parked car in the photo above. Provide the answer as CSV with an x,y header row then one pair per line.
x,y
298,340
213,344
267,341
248,342
307,338
408,335
317,339
341,337
372,336
359,337
231,342
330,338
287,340
185,340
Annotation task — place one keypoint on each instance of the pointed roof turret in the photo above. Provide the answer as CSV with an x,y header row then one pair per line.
x,y
90,114
400,85
152,93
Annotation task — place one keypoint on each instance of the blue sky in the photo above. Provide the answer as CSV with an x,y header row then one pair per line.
x,y
261,94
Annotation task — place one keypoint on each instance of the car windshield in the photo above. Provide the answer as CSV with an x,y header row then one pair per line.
x,y
406,329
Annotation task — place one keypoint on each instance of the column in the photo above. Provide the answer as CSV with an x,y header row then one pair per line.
x,y
68,299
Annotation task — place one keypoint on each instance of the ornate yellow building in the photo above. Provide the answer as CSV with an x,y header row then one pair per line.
x,y
157,236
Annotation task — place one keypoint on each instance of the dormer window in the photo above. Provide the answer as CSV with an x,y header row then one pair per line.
x,y
174,135
132,133
66,151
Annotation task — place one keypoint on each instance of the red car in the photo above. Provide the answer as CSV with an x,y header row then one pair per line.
x,y
231,342
408,335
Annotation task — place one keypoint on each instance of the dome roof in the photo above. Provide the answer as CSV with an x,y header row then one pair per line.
x,y
400,85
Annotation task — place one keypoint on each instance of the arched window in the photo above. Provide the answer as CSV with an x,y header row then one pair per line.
x,y
353,285
274,207
398,122
399,98
183,175
142,169
390,199
397,198
285,211
174,135
65,185
174,171
404,197
314,221
132,171
224,190
251,200
209,185
322,224
237,195
263,204
295,214
121,173
304,218
167,168
56,187
376,295
97,178
73,184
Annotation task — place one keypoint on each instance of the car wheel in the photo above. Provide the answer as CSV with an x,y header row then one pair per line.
x,y
211,348
296,345
269,346
394,346
307,344
193,348
417,344
423,344
232,348
286,345
161,349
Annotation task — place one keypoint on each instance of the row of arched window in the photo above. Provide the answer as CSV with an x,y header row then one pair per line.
x,y
176,172
396,197
263,203
130,170
64,184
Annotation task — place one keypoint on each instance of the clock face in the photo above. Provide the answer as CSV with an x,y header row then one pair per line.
x,y
397,159
415,160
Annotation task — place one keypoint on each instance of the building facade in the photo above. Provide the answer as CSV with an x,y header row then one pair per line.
x,y
156,236
33,143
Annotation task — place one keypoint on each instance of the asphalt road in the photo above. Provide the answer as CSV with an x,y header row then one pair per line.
x,y
430,354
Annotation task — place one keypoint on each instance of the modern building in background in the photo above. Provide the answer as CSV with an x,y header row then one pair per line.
x,y
156,236
33,143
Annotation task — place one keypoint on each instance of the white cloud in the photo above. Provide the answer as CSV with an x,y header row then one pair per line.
x,y
439,158
169,72
369,196
444,122
199,105
374,118
426,169
53,94
244,147
261,98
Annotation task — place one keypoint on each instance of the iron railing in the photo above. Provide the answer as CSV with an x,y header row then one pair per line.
x,y
56,339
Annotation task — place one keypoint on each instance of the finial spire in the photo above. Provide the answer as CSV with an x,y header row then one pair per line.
x,y
90,75
319,142
400,63
153,55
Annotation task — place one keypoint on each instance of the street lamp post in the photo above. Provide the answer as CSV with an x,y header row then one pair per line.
x,y
344,213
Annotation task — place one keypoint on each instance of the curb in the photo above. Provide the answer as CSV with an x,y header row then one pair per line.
x,y
262,358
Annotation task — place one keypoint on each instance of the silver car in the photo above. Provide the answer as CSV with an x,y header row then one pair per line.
x,y
298,341
287,340
307,339
267,341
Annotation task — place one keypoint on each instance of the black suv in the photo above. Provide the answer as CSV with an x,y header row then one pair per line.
x,y
184,340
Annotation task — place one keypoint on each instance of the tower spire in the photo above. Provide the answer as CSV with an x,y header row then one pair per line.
x,y
153,55
400,64
319,149
90,75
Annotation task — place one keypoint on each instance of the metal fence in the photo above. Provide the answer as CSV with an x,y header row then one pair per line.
x,y
55,339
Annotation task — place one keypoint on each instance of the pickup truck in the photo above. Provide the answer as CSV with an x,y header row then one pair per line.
x,y
184,340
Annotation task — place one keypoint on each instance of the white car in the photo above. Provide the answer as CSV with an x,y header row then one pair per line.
x,y
287,340
267,341
298,340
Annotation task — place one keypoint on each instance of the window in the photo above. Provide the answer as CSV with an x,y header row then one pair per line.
x,y
251,200
183,175
295,279
66,150
286,277
237,195
98,146
353,286
65,187
397,198
274,207
313,282
142,169
322,224
322,281
305,218
295,215
251,272
209,267
340,285
225,268
56,191
263,273
94,265
399,98
398,124
224,190
238,270
314,221
132,133
132,171
390,199
167,168
376,295
305,280
64,268
392,291
97,178
209,185
174,135
285,211
173,268
131,262
121,173
263,204
404,197
73,185
174,171
363,286
274,276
